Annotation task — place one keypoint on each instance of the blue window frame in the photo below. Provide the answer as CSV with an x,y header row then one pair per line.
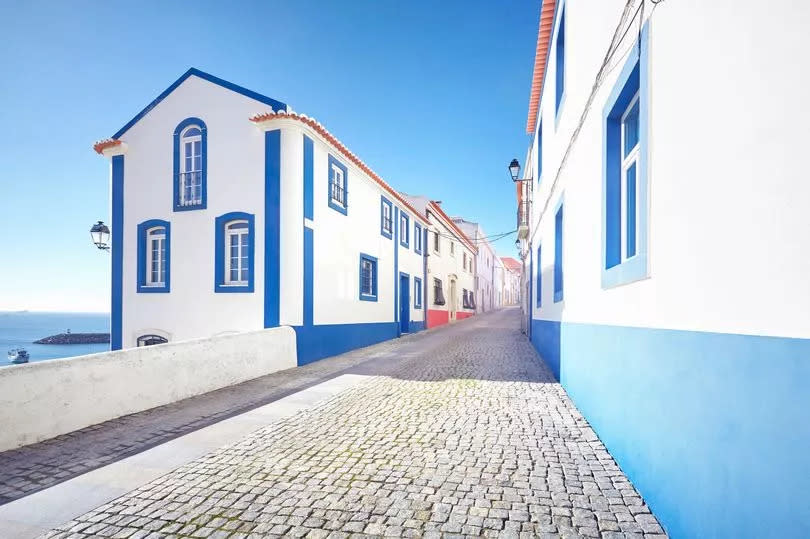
x,y
417,238
539,152
559,85
190,178
558,254
154,256
539,277
234,249
404,229
386,217
417,293
624,174
338,192
368,278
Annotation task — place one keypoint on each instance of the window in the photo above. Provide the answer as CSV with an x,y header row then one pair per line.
x,y
153,256
471,299
452,248
190,148
338,186
464,260
368,278
539,278
417,293
436,244
560,71
151,340
438,294
539,152
624,187
233,252
558,254
417,238
386,217
465,302
404,229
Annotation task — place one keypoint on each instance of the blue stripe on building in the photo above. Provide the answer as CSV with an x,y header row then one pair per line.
x,y
395,226
272,226
117,263
711,428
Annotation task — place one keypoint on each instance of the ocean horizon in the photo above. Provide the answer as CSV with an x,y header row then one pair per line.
x,y
19,329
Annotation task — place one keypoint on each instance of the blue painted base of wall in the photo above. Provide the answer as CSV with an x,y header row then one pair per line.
x,y
414,326
711,428
318,342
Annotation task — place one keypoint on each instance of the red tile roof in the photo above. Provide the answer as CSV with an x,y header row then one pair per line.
x,y
331,139
102,145
540,56
511,263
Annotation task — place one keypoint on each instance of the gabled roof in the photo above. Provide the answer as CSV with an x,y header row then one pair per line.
x,y
540,61
333,141
511,263
276,105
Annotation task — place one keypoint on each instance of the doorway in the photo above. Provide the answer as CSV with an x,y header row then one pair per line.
x,y
404,302
453,305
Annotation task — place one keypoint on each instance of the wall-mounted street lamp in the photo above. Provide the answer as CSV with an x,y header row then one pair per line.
x,y
514,170
100,234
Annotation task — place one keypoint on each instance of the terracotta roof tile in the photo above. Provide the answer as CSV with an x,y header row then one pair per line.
x,y
102,145
540,57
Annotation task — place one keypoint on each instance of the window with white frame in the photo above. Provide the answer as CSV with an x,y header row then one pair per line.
x,y
464,260
452,248
436,243
417,238
387,224
368,278
156,256
338,185
629,168
191,166
404,229
237,241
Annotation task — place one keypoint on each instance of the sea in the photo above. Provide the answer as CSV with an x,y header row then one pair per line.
x,y
22,328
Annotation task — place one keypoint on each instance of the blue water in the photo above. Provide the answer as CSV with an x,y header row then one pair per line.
x,y
21,329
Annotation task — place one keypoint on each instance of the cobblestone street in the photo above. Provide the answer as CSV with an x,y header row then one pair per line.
x,y
466,434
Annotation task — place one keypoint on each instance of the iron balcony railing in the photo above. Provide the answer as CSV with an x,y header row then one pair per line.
x,y
523,218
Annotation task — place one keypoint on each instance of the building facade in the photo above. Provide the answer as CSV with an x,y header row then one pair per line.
x,y
512,279
664,225
450,255
484,264
232,213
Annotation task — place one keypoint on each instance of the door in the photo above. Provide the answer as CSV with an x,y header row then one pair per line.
x,y
404,303
452,299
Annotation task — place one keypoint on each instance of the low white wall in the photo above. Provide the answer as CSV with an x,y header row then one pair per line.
x,y
42,400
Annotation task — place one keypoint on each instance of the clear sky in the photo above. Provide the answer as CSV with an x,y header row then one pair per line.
x,y
433,95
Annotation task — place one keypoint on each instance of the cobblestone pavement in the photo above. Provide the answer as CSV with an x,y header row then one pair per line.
x,y
468,435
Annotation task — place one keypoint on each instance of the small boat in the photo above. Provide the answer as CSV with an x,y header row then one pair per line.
x,y
18,356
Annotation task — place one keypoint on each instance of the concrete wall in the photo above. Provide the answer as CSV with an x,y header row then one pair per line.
x,y
689,375
42,400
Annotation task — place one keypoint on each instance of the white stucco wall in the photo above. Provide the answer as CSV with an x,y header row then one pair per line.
x,y
42,400
727,187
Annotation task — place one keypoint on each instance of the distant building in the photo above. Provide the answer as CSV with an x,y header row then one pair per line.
x,y
450,282
232,213
484,264
512,280
664,221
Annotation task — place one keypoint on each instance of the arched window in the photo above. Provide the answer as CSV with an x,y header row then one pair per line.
x,y
234,252
154,248
190,160
151,340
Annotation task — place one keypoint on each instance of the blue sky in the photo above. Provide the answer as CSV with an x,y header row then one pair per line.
x,y
433,95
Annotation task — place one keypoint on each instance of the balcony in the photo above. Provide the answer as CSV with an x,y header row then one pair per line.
x,y
523,219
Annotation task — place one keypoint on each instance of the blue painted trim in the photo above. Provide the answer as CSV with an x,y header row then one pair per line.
x,y
559,67
405,306
395,300
417,293
309,272
374,278
539,154
276,105
272,228
219,252
416,325
320,341
383,203
117,252
559,268
405,242
141,241
176,154
702,423
335,206
634,74
423,299
309,181
417,238
539,278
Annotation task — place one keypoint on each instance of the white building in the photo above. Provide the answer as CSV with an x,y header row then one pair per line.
x,y
668,246
450,266
231,213
484,264
512,279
